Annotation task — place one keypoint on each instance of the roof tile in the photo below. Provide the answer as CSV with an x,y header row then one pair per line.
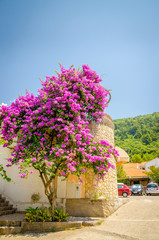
x,y
133,170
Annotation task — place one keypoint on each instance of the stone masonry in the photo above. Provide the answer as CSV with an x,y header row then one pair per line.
x,y
108,188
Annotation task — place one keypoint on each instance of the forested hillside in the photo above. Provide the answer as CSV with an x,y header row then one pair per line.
x,y
138,136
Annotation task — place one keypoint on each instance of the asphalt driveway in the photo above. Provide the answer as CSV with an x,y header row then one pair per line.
x,y
138,219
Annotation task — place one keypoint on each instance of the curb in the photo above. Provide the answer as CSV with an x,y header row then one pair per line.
x,y
12,227
49,226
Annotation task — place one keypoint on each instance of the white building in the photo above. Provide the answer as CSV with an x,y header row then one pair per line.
x,y
154,162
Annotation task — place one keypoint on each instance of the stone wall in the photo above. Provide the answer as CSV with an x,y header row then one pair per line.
x,y
92,208
107,188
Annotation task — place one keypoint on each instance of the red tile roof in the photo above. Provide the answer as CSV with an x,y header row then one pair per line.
x,y
133,170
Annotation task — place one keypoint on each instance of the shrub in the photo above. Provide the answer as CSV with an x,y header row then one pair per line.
x,y
60,215
38,215
45,215
35,197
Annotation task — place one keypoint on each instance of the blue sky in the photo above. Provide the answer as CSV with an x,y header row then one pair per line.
x,y
117,38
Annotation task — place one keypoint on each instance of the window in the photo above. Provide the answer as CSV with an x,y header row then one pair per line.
x,y
151,186
120,186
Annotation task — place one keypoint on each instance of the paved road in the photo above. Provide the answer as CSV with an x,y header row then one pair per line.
x,y
139,218
136,220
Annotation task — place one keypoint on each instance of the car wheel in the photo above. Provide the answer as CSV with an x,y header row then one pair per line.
x,y
125,194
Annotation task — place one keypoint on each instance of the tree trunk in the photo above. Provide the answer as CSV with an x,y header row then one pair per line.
x,y
50,191
53,205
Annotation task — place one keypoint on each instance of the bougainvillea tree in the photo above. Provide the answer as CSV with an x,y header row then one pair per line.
x,y
51,130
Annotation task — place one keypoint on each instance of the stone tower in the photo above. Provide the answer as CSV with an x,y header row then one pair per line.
x,y
107,188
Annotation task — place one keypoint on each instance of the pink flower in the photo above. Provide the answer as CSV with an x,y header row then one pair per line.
x,y
23,175
109,150
84,160
72,168
31,171
34,160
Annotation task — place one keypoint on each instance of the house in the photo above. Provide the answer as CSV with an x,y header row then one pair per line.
x,y
154,162
135,174
20,192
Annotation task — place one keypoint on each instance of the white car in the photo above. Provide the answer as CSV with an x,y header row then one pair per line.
x,y
152,188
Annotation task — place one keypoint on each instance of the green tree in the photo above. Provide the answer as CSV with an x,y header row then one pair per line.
x,y
153,174
139,135
136,159
146,138
121,174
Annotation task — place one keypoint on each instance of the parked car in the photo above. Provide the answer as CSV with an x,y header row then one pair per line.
x,y
123,190
136,189
152,188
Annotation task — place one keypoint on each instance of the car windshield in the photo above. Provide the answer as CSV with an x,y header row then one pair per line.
x,y
151,186
136,186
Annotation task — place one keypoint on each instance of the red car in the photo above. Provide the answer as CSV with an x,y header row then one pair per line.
x,y
123,190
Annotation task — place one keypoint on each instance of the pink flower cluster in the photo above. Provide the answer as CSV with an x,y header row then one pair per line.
x,y
51,132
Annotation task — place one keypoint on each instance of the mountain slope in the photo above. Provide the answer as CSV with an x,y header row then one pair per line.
x,y
138,136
